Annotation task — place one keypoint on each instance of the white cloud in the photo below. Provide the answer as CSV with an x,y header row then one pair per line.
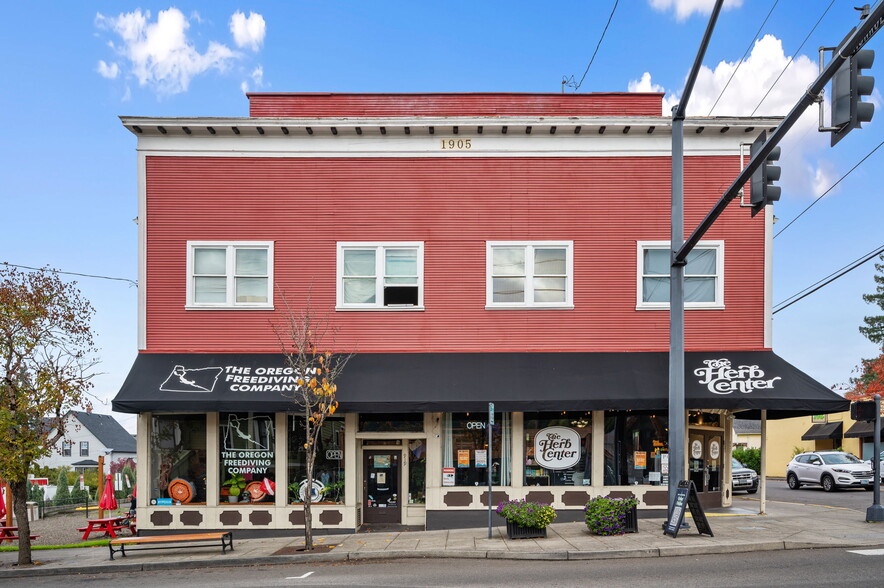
x,y
751,81
248,32
244,86
258,76
160,54
645,84
109,71
685,8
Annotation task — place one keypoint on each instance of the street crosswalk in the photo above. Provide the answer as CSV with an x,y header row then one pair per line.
x,y
866,551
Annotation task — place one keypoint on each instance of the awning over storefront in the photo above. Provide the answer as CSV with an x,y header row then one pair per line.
x,y
823,431
861,429
746,381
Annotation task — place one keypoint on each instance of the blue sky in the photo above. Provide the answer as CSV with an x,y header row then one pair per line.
x,y
71,68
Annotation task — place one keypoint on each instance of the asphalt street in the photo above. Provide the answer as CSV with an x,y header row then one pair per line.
x,y
852,498
818,567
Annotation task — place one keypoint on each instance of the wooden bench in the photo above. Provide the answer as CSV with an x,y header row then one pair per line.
x,y
172,542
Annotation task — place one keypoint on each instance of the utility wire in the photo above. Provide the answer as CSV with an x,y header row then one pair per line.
x,y
829,190
788,63
743,58
27,267
843,271
577,87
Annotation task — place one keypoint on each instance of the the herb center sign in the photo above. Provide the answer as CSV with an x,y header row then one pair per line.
x,y
557,448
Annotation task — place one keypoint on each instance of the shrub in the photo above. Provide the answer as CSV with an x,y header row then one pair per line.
x,y
749,457
62,492
527,514
607,516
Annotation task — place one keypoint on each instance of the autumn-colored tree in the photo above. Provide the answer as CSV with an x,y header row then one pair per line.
x,y
869,382
46,360
307,342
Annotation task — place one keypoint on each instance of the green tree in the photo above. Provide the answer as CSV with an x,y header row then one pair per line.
x,y
306,340
874,328
62,492
46,360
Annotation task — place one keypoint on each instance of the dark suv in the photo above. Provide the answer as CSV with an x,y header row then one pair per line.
x,y
743,478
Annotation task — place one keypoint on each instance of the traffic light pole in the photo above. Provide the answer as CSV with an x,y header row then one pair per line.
x,y
676,441
865,31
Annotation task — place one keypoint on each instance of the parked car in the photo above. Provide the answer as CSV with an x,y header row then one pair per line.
x,y
880,465
829,469
743,478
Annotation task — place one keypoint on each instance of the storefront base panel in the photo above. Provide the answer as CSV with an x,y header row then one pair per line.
x,y
440,520
326,519
250,533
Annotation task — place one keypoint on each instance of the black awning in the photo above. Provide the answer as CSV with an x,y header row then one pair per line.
x,y
823,431
861,429
746,381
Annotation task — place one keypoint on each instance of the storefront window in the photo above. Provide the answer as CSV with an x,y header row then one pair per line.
x,y
391,423
248,458
561,455
635,448
465,458
178,459
328,469
417,471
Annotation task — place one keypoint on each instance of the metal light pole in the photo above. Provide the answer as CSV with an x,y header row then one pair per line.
x,y
875,513
676,275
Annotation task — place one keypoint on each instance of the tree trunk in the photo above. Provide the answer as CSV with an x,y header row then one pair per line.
x,y
308,513
20,508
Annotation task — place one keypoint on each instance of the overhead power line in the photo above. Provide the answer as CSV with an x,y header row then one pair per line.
x,y
827,280
27,267
829,190
570,81
788,63
743,58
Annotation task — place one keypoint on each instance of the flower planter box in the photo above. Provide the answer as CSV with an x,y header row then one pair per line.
x,y
514,531
631,525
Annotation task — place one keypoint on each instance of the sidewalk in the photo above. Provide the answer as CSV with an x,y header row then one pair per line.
x,y
737,529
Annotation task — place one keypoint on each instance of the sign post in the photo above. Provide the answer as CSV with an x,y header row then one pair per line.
x,y
875,513
488,462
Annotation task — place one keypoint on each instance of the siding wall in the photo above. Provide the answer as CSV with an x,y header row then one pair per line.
x,y
454,205
506,104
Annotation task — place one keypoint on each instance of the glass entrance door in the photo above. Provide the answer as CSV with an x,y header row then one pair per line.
x,y
704,466
381,498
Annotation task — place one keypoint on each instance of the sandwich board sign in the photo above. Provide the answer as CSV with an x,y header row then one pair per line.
x,y
686,496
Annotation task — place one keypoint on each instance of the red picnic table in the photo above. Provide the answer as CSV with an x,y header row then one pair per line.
x,y
108,526
11,534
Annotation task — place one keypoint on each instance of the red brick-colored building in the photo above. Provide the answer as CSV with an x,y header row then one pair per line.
x,y
470,248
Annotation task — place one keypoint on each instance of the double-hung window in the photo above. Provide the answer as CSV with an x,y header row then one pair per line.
x,y
380,276
66,448
229,275
703,275
84,449
534,274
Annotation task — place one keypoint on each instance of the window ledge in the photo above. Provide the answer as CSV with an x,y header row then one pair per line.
x,y
380,308
191,307
528,307
666,308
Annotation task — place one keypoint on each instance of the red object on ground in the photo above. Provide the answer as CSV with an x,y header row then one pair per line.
x,y
108,500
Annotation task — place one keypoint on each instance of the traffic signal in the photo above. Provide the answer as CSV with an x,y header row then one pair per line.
x,y
762,192
848,88
863,410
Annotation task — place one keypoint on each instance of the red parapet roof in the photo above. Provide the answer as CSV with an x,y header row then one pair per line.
x,y
272,104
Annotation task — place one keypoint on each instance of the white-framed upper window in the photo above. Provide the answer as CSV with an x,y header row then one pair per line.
x,y
66,448
223,274
84,449
703,275
380,276
529,274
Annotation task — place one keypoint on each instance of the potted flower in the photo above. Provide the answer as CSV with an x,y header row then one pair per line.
x,y
235,485
526,520
611,516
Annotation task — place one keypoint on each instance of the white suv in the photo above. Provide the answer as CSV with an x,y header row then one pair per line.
x,y
829,469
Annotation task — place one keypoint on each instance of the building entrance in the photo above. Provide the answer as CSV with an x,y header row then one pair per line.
x,y
704,466
382,486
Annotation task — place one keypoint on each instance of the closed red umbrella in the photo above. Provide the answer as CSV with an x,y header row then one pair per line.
x,y
108,500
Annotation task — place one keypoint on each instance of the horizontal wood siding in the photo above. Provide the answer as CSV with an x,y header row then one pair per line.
x,y
320,105
454,205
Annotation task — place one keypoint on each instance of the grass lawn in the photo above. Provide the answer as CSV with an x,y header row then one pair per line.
x,y
96,543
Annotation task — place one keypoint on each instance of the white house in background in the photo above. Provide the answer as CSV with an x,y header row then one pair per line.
x,y
88,436
747,433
